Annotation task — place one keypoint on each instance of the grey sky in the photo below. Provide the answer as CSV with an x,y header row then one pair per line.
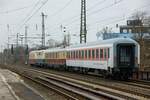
x,y
68,16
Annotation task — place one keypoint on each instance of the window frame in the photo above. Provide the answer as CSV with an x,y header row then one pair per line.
x,y
93,54
89,54
86,54
97,53
101,53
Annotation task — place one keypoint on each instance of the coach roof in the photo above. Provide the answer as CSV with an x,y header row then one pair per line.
x,y
105,42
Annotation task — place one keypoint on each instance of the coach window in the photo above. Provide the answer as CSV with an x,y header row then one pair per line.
x,y
97,53
73,54
60,55
69,55
76,54
46,55
82,54
50,55
101,53
56,55
53,55
85,54
89,54
105,53
108,52
93,53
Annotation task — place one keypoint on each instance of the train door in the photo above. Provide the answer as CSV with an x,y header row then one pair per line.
x,y
125,55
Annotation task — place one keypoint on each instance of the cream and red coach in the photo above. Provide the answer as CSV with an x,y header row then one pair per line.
x,y
55,57
49,57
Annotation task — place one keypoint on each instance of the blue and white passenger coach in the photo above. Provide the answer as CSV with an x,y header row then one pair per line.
x,y
117,57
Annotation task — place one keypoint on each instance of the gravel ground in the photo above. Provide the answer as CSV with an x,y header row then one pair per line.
x,y
21,91
26,89
46,93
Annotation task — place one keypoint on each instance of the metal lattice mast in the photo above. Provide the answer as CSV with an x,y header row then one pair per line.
x,y
43,29
83,31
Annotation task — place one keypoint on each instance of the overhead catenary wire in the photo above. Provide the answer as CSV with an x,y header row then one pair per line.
x,y
15,10
77,17
33,14
123,18
72,22
61,9
98,3
106,7
30,12
119,19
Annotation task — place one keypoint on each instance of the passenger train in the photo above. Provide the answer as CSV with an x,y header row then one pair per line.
x,y
117,58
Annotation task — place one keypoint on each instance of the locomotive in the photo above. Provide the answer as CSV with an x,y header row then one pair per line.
x,y
117,58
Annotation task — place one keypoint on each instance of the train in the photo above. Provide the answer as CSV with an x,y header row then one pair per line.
x,y
115,58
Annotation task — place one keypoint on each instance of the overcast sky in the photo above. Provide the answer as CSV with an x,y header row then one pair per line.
x,y
15,14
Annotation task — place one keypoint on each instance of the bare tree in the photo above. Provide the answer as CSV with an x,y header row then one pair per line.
x,y
141,33
139,15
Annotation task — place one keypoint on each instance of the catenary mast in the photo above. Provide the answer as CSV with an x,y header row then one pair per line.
x,y
83,30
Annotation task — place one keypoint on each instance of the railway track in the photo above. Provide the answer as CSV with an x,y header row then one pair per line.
x,y
110,91
136,88
75,91
138,84
49,86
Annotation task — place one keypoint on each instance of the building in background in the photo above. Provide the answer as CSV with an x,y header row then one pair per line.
x,y
141,33
115,35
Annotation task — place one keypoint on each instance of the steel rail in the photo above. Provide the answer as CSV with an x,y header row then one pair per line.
x,y
115,92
